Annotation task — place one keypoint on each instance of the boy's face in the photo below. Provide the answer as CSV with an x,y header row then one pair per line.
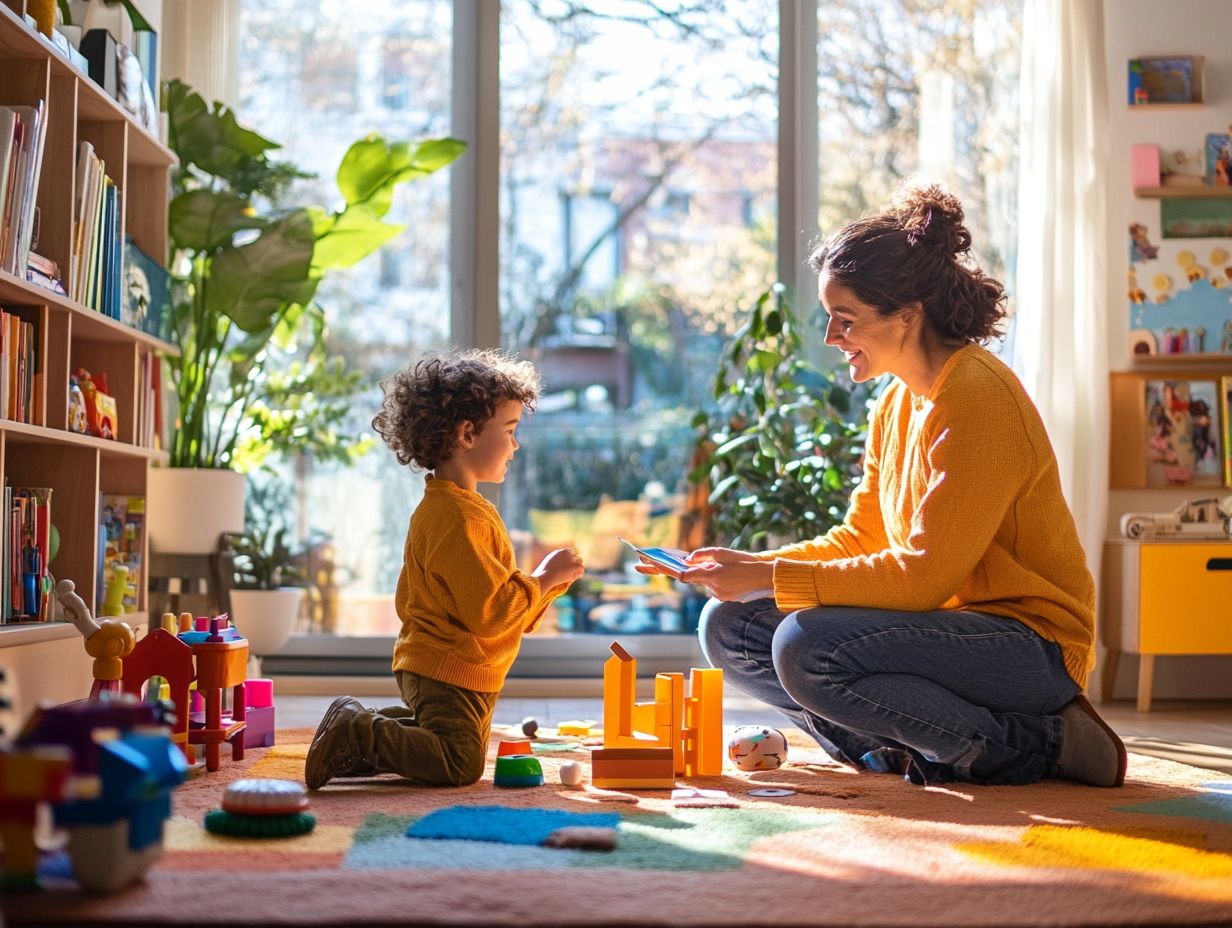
x,y
492,447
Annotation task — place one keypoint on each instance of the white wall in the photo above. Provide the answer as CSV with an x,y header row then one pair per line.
x,y
1137,28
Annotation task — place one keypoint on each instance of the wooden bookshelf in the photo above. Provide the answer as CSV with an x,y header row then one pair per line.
x,y
43,452
1183,192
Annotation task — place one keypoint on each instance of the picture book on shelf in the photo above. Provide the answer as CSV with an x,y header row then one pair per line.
x,y
121,541
1183,433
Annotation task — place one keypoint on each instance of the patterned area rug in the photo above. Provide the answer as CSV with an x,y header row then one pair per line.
x,y
844,849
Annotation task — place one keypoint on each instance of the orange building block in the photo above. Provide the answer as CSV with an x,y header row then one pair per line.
x,y
703,724
632,768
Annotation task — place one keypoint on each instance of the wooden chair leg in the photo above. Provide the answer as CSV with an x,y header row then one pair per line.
x,y
1146,676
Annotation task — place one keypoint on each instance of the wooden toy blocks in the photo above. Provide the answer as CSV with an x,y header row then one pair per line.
x,y
687,723
632,768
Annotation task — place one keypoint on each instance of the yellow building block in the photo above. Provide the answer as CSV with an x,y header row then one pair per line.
x,y
619,690
703,723
577,728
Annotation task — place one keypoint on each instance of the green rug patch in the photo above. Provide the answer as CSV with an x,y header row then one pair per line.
x,y
696,840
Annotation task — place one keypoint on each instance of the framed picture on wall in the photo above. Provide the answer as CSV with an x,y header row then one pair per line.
x,y
1185,439
1225,414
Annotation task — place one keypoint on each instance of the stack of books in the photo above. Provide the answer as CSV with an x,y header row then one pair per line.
x,y
25,548
23,136
21,379
96,266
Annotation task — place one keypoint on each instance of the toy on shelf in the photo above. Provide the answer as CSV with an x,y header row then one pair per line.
x,y
689,723
262,808
109,642
1197,518
101,417
757,747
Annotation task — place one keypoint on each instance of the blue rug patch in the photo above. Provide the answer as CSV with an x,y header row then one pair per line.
x,y
504,824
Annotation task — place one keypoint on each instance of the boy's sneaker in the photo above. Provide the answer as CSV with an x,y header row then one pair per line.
x,y
1091,752
333,752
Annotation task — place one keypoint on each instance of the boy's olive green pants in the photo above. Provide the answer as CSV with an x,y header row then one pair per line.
x,y
438,738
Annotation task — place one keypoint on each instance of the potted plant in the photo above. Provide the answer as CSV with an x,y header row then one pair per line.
x,y
247,267
778,456
267,573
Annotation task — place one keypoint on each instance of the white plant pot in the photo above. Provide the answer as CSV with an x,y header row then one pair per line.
x,y
266,618
187,508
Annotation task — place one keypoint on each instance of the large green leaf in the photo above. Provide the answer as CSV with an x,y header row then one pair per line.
x,y
372,168
203,220
352,236
208,137
256,282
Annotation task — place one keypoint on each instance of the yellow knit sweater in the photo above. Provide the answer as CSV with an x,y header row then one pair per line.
x,y
463,603
960,507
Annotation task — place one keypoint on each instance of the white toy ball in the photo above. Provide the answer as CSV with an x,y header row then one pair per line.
x,y
571,773
757,747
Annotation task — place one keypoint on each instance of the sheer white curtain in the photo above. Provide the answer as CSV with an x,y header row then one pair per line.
x,y
200,46
1060,349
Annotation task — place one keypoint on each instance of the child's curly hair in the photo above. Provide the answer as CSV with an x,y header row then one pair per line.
x,y
424,404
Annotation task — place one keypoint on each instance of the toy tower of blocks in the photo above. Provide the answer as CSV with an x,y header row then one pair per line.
x,y
638,738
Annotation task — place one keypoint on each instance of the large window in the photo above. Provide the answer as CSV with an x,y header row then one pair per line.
x,y
317,75
637,217
638,208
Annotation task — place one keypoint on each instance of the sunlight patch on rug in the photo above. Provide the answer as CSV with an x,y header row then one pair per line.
x,y
1147,852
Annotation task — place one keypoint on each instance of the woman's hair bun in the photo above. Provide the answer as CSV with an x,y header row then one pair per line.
x,y
932,216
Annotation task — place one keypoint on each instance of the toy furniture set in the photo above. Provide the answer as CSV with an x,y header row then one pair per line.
x,y
215,658
106,765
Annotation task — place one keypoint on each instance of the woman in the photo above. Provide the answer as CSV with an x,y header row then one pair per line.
x,y
945,629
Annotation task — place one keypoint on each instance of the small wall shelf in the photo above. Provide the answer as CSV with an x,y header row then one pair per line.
x,y
1192,105
1193,359
1196,192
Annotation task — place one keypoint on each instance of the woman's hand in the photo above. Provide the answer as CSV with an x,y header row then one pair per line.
x,y
560,566
726,573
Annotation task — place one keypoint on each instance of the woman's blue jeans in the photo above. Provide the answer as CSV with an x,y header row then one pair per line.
x,y
968,696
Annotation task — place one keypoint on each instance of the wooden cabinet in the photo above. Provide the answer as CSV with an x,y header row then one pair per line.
x,y
43,452
1162,598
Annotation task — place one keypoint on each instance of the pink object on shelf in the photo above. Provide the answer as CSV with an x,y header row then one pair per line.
x,y
1144,165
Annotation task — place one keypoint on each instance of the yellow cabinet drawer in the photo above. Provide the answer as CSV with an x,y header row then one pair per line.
x,y
1185,598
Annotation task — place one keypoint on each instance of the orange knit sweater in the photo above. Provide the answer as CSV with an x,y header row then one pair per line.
x,y
463,603
960,507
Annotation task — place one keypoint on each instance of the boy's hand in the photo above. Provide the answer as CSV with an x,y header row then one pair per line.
x,y
560,566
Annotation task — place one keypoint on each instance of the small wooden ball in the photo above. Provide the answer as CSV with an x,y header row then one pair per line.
x,y
530,725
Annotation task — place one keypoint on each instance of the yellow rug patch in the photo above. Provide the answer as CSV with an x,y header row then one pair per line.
x,y
184,834
284,763
1145,851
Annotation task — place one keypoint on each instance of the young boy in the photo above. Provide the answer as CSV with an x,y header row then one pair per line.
x,y
464,604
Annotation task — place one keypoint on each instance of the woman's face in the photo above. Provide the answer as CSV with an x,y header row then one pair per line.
x,y
872,343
